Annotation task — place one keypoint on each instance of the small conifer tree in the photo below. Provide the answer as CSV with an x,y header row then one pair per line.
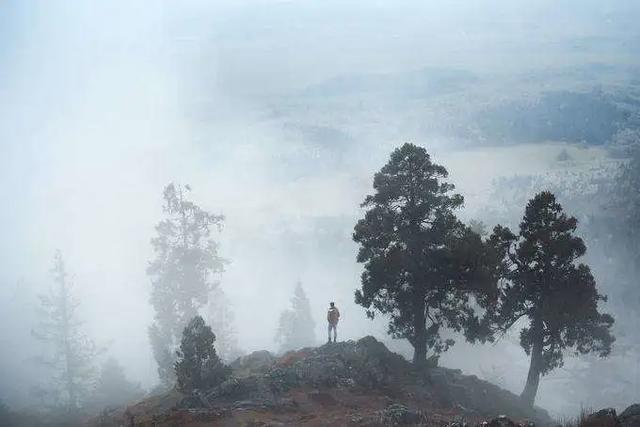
x,y
198,366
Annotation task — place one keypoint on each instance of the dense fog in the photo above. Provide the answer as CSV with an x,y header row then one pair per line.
x,y
277,114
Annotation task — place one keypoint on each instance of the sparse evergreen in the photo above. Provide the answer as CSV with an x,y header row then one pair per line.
x,y
197,365
296,328
547,287
69,353
183,273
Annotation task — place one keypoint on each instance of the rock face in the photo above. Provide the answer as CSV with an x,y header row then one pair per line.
x,y
349,383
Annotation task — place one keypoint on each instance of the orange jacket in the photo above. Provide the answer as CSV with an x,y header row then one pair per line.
x,y
333,315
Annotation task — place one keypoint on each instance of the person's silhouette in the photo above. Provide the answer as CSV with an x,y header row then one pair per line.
x,y
333,315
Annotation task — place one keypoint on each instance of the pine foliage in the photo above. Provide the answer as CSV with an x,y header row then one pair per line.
x,y
183,273
198,367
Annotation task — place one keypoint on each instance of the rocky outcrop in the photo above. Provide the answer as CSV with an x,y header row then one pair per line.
x,y
399,415
476,397
358,383
257,362
630,417
603,418
366,363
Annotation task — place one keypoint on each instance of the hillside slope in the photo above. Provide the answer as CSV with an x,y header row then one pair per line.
x,y
348,383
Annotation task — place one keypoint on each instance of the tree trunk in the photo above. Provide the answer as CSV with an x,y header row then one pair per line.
x,y
420,350
533,378
420,334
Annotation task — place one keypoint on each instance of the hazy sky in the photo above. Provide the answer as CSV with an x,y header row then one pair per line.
x,y
104,103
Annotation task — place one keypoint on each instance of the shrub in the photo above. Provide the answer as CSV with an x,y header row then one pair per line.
x,y
198,366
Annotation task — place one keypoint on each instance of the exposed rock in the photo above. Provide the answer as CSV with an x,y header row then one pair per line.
x,y
196,399
348,383
501,421
630,417
478,397
399,415
602,418
367,363
257,362
248,388
631,411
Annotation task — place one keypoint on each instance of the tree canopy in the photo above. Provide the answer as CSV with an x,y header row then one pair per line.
x,y
421,263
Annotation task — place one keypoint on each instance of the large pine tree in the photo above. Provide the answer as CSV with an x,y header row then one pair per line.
x,y
70,354
183,273
548,288
421,264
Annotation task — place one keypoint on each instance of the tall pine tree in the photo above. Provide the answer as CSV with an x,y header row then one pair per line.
x,y
70,354
183,273
548,288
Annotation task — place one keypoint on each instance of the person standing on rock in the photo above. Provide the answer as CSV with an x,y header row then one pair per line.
x,y
333,315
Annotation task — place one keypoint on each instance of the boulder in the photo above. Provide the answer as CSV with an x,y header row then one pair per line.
x,y
501,421
366,362
602,418
255,363
630,417
399,415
